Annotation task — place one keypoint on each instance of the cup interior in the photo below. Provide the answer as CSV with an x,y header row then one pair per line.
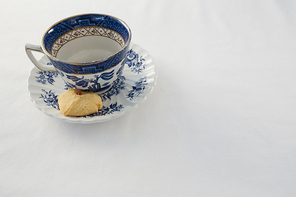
x,y
87,49
86,38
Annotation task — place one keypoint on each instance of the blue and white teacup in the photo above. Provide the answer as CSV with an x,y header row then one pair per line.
x,y
86,50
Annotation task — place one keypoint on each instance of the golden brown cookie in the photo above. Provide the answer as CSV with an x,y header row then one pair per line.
x,y
79,103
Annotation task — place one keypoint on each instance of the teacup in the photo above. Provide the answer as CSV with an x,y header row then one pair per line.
x,y
86,50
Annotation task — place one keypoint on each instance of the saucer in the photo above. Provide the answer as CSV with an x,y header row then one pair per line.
x,y
132,87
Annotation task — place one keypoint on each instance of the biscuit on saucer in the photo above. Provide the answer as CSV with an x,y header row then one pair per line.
x,y
79,103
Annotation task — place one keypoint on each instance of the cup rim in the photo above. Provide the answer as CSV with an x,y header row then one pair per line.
x,y
93,61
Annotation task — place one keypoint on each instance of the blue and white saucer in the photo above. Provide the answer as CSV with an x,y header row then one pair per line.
x,y
132,88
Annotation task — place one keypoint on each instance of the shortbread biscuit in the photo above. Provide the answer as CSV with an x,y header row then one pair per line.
x,y
79,103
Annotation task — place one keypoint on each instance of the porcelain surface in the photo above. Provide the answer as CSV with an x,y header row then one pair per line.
x,y
87,46
137,78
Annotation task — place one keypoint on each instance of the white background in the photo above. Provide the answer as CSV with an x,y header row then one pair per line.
x,y
219,123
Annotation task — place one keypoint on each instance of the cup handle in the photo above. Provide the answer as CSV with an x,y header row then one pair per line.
x,y
29,48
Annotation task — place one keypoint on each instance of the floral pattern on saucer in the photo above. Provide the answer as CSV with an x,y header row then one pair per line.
x,y
45,77
136,80
50,99
135,62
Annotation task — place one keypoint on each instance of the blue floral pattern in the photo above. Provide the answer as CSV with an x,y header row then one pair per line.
x,y
60,73
67,86
117,86
50,98
134,62
138,88
107,110
46,77
133,83
92,84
